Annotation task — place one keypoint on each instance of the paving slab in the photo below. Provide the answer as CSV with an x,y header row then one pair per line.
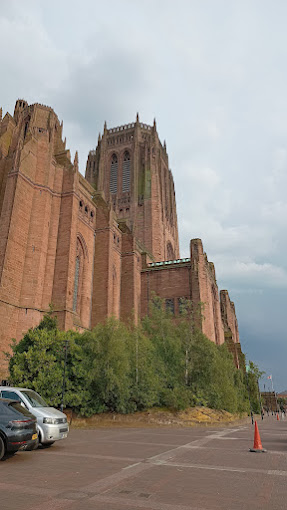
x,y
152,468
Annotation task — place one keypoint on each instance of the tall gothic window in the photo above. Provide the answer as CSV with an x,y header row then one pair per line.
x,y
126,171
114,174
114,291
76,284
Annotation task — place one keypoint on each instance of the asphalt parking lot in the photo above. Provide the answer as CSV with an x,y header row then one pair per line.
x,y
151,468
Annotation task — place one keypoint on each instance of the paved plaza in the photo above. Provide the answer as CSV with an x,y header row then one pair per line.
x,y
153,469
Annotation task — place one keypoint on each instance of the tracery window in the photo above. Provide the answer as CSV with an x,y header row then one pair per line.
x,y
76,284
126,171
114,174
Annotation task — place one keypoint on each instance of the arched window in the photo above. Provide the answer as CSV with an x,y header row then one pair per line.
x,y
114,174
27,120
79,280
76,284
114,311
126,171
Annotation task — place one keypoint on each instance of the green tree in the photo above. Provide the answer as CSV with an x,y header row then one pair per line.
x,y
144,379
107,365
168,355
253,375
187,328
165,361
37,362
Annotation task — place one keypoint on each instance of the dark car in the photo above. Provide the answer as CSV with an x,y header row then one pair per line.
x,y
18,429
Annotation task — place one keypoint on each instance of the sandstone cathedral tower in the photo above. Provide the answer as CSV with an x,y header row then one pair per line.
x,y
98,246
130,166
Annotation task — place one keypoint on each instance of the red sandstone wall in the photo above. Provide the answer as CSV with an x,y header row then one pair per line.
x,y
167,282
130,278
103,241
85,235
205,290
228,315
40,223
107,268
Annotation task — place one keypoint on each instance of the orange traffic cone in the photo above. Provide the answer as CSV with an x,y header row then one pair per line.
x,y
278,419
257,447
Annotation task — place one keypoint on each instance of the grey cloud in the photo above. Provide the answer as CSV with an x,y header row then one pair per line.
x,y
213,73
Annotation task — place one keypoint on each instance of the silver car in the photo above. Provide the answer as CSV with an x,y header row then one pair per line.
x,y
52,425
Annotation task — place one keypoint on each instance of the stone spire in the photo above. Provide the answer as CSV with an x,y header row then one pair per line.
x,y
76,162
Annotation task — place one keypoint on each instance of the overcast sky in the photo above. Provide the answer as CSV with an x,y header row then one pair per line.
x,y
214,74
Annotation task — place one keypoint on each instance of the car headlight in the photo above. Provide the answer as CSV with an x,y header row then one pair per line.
x,y
50,421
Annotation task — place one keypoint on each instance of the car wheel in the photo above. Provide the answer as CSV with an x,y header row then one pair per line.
x,y
2,448
47,445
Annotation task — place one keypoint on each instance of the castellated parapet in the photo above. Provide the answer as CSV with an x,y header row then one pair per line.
x,y
94,247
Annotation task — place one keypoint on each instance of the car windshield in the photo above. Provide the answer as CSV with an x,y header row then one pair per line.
x,y
34,399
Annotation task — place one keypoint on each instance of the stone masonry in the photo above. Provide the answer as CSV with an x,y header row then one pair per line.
x,y
97,246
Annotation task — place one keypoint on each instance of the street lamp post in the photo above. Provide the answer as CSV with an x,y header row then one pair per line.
x,y
247,383
260,402
64,375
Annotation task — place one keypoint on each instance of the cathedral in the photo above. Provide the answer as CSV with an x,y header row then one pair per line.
x,y
97,246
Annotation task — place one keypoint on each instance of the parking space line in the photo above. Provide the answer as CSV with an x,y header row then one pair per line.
x,y
100,457
196,443
274,472
111,480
